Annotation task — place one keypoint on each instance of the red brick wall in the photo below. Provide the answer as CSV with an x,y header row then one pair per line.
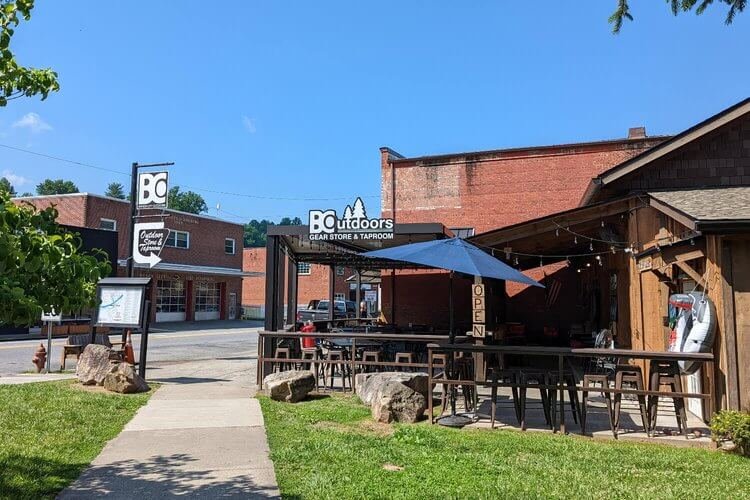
x,y
312,286
71,209
100,208
485,191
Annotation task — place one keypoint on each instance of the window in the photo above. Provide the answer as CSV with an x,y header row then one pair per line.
x,y
207,296
108,224
339,271
178,239
303,268
229,246
170,296
463,232
339,296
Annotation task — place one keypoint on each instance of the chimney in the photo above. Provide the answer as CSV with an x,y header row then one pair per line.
x,y
637,133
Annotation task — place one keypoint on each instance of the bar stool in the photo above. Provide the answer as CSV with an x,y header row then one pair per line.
x,y
666,373
633,376
440,360
465,370
313,355
404,357
533,377
371,357
285,353
589,380
342,356
504,378
569,381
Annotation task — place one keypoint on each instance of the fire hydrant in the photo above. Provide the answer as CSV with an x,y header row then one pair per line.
x,y
40,358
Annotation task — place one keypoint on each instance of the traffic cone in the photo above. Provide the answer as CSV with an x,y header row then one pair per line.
x,y
129,355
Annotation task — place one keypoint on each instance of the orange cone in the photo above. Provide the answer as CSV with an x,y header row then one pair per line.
x,y
129,355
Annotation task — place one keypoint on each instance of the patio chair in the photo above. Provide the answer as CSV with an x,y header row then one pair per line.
x,y
533,376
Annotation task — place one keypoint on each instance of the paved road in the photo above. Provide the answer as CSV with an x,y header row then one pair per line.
x,y
168,344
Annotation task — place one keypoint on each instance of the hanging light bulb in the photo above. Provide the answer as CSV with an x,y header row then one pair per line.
x,y
575,239
613,249
602,222
692,242
591,246
557,232
515,261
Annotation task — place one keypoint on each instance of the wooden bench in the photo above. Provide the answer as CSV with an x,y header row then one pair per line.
x,y
75,344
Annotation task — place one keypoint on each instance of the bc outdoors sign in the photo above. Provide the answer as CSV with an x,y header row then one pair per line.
x,y
325,225
148,240
153,189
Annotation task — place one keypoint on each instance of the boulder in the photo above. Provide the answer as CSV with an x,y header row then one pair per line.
x,y
93,365
290,386
395,402
368,384
122,378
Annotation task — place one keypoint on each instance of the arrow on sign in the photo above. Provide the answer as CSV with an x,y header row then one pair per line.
x,y
148,240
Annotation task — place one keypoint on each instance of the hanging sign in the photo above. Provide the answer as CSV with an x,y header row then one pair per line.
x,y
148,240
478,310
645,264
153,190
326,225
371,296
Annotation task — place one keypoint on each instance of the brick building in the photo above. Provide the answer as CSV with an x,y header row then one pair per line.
x,y
200,275
471,193
313,280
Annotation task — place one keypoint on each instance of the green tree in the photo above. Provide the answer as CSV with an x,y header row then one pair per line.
x,y
26,193
41,265
115,190
286,221
6,186
16,80
677,6
56,186
256,230
186,201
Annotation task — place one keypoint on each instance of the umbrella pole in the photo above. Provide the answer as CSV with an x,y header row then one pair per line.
x,y
453,420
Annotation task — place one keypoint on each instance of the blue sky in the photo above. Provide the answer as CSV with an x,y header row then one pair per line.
x,y
293,99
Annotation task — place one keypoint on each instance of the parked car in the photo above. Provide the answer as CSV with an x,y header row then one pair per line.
x,y
317,310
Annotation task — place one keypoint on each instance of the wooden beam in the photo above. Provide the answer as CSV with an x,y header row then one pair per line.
x,y
689,271
730,334
670,255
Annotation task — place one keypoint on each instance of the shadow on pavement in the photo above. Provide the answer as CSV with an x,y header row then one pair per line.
x,y
190,380
164,476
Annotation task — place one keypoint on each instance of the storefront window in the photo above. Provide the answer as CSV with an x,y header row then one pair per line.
x,y
170,296
207,297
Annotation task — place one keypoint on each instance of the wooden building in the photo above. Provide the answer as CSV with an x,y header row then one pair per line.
x,y
675,218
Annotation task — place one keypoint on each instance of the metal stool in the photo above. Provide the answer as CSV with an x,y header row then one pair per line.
x,y
342,357
313,355
404,357
504,378
371,357
569,382
533,377
666,373
588,380
285,353
633,376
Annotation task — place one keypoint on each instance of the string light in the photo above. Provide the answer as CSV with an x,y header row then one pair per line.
x,y
591,246
575,239
557,232
515,261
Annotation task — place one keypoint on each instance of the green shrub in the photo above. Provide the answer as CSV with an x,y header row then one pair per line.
x,y
735,426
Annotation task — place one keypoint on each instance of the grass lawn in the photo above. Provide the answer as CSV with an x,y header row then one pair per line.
x,y
50,431
331,448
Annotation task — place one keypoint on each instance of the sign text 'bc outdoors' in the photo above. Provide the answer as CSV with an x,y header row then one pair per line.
x,y
478,311
325,225
153,189
148,240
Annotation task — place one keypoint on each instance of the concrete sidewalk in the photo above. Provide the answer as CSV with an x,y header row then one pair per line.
x,y
201,435
31,378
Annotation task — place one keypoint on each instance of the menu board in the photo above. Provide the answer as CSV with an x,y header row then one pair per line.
x,y
120,306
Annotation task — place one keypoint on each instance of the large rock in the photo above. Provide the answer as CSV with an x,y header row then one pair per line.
x,y
122,378
290,386
93,365
396,402
369,384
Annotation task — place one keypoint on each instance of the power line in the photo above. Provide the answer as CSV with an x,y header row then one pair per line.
x,y
225,193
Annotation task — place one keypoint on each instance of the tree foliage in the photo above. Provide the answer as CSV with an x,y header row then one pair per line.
x,y
623,10
256,230
115,190
41,266
186,201
16,80
56,186
6,186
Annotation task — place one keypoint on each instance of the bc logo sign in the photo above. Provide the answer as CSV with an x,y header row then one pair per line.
x,y
152,190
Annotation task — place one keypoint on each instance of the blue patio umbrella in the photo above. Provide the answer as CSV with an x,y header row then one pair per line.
x,y
457,255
